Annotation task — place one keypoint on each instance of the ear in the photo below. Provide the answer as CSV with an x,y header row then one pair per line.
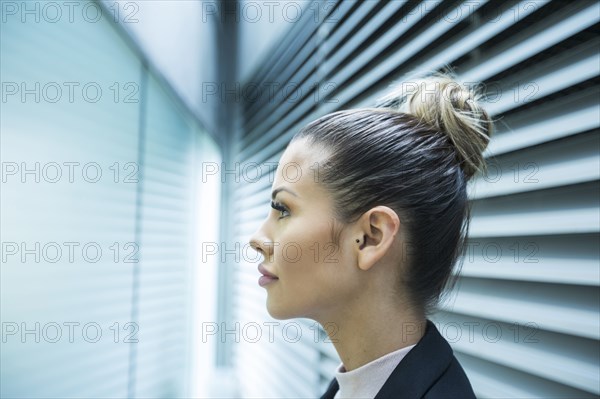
x,y
379,227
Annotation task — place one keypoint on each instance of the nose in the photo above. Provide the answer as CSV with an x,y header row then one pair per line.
x,y
260,243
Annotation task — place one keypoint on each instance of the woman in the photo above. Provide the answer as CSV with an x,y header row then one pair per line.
x,y
369,216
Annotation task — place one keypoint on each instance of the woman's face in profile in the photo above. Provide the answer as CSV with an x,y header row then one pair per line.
x,y
314,277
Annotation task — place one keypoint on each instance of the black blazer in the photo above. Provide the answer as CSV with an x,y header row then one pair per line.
x,y
429,370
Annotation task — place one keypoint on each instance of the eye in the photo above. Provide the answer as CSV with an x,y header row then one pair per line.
x,y
279,207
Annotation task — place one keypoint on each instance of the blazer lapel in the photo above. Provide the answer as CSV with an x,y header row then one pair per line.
x,y
420,368
417,371
331,390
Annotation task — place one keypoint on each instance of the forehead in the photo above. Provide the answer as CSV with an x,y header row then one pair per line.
x,y
298,164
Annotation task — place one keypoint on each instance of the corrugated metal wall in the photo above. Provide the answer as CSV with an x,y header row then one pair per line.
x,y
524,317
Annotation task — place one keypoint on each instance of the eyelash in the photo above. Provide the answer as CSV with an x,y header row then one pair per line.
x,y
279,207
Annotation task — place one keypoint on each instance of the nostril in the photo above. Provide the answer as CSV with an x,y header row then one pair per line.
x,y
254,244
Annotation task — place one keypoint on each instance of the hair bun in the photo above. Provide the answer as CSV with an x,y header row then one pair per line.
x,y
443,103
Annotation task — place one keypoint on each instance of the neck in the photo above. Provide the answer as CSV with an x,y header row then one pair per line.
x,y
365,333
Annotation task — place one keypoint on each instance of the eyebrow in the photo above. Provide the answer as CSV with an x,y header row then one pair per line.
x,y
277,190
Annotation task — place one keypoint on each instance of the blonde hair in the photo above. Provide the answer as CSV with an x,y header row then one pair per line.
x,y
443,103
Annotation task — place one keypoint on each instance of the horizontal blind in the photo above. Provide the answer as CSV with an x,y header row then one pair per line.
x,y
162,296
96,210
93,207
523,318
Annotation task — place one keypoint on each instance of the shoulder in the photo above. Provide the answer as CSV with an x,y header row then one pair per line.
x,y
453,383
430,370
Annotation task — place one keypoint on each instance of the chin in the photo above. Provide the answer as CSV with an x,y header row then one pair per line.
x,y
280,312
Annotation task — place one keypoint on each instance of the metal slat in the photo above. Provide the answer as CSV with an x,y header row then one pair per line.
x,y
580,170
551,165
525,348
384,41
287,68
529,88
335,60
491,380
522,48
479,35
540,131
583,220
530,303
298,38
265,117
385,67
350,23
548,270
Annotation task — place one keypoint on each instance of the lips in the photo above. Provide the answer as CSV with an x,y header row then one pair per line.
x,y
267,277
265,272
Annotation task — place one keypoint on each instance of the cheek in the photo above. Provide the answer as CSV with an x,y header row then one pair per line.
x,y
313,275
308,248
